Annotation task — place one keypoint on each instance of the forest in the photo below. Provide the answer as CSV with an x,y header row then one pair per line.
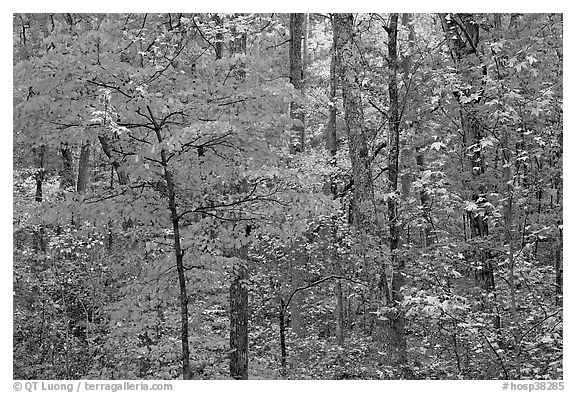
x,y
287,196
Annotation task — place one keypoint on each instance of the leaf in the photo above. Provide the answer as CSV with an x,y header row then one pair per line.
x,y
487,142
437,146
298,123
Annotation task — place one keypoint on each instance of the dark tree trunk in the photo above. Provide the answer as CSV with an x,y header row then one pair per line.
x,y
296,78
298,260
239,322
282,317
462,36
397,260
219,37
238,286
332,147
67,174
508,224
183,296
331,137
178,252
339,312
298,143
123,177
39,239
305,58
40,172
84,168
407,22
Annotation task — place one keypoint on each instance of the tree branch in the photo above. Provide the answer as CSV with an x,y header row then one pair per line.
x,y
320,281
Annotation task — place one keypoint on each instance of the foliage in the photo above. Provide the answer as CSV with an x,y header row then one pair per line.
x,y
177,119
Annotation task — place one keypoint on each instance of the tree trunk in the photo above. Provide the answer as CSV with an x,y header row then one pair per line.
x,y
508,224
339,312
331,137
40,171
462,36
407,22
84,168
67,173
559,270
297,144
332,147
239,321
39,239
349,65
123,177
219,37
297,262
296,78
281,316
238,286
397,261
183,297
363,212
305,57
179,253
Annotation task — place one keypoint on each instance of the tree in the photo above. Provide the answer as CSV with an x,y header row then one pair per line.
x,y
349,63
394,224
239,286
296,78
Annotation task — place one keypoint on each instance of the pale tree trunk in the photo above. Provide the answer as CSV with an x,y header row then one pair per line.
x,y
349,65
559,269
363,212
298,142
240,276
